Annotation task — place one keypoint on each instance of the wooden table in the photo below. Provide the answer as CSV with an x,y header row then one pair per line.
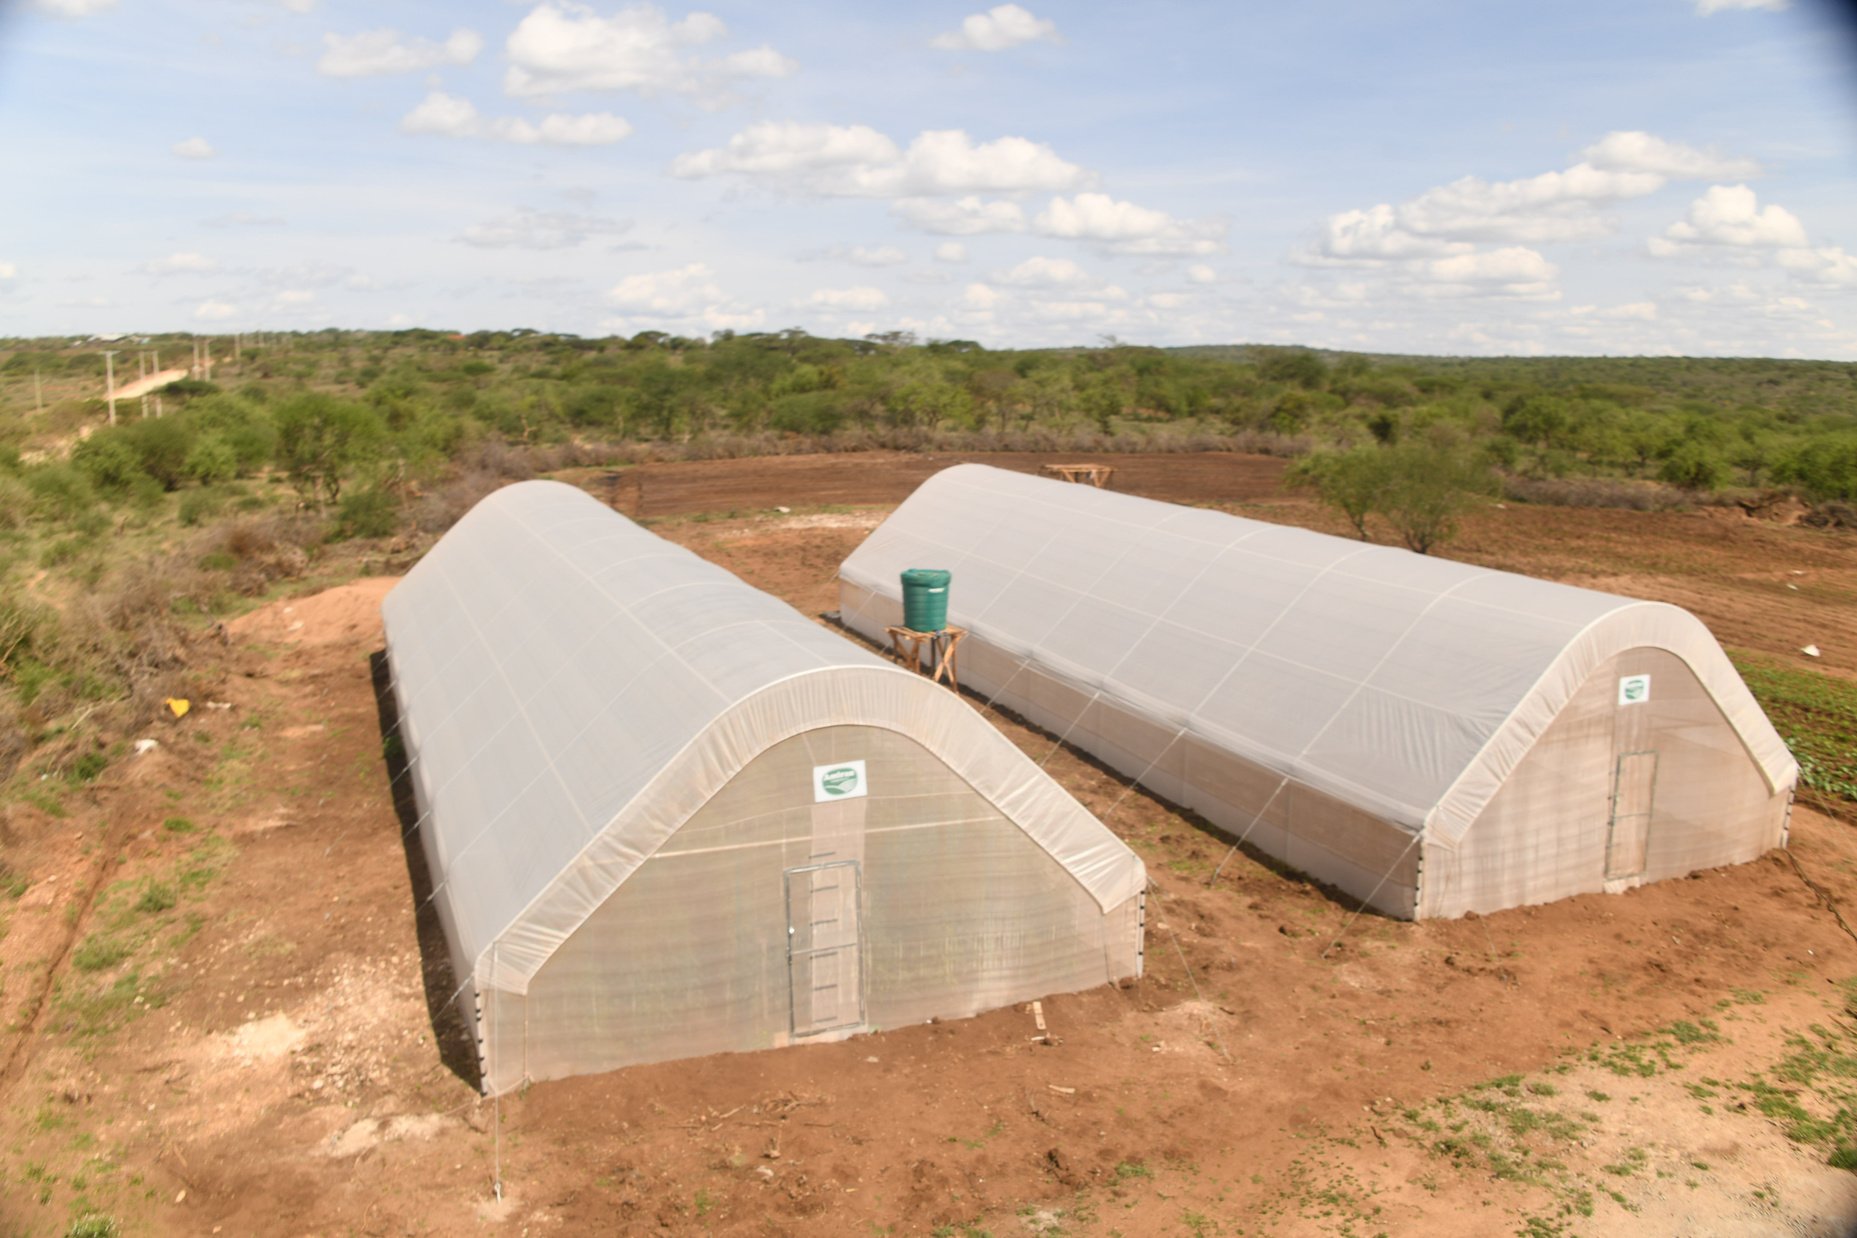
x,y
943,648
1094,474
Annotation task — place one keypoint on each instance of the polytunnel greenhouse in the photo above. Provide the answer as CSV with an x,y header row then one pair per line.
x,y
667,815
1429,737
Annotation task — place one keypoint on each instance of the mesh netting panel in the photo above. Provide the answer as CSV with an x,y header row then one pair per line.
x,y
959,911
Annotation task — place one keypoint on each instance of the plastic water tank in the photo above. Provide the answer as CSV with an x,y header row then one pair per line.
x,y
925,599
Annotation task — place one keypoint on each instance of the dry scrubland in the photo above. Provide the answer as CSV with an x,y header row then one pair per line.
x,y
220,996
223,1006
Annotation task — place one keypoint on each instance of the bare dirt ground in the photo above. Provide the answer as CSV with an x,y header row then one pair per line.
x,y
221,1020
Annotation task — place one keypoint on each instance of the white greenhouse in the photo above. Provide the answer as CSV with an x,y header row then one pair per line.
x,y
667,815
1426,736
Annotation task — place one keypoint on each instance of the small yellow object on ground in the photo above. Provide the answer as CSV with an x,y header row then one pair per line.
x,y
179,705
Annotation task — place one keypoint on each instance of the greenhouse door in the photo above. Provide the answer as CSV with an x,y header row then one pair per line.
x,y
824,950
1634,786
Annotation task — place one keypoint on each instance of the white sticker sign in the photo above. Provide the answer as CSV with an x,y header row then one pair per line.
x,y
843,781
1634,689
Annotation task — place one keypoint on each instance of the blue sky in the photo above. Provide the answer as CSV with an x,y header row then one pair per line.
x,y
1660,176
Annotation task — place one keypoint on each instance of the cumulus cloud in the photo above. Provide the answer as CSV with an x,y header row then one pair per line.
x,y
193,148
1200,273
862,299
1634,150
683,296
530,229
374,52
1042,272
184,263
1641,311
951,251
73,8
1829,265
1127,228
1707,7
968,216
1000,27
1731,215
564,46
450,116
858,161
215,311
1563,205
1514,271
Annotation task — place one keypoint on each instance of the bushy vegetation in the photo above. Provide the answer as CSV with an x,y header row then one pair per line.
x,y
120,543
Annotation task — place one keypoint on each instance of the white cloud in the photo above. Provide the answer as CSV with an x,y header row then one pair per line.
x,y
1127,228
1642,311
450,116
685,295
8,271
1000,27
1200,273
298,7
185,263
951,251
1732,215
1564,205
565,46
968,216
193,148
872,256
1829,265
374,52
858,161
1042,272
215,311
1706,7
980,297
1515,271
530,229
73,8
857,300
1634,150
295,296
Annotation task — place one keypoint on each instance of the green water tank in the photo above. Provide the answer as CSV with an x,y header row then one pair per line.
x,y
925,599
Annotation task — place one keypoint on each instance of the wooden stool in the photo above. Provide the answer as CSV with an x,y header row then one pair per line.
x,y
942,647
1095,474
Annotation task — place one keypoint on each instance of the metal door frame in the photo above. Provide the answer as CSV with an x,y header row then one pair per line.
x,y
1649,813
857,889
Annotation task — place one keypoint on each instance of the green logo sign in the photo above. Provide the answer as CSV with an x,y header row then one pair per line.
x,y
1634,689
840,781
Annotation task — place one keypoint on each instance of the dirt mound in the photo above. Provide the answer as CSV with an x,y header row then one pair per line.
x,y
348,614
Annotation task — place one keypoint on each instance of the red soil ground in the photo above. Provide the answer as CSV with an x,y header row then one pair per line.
x,y
261,1057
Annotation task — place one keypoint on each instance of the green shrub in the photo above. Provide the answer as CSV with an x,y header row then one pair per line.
x,y
370,512
211,460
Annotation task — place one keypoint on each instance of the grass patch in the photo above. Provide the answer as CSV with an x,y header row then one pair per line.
x,y
1816,715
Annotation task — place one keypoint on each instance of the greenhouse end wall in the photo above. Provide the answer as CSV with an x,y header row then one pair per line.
x,y
953,910
1557,827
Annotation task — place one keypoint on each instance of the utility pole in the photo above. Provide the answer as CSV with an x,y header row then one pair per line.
x,y
109,371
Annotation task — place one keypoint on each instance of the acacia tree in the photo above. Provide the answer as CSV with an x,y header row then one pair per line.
x,y
1428,486
320,438
1353,482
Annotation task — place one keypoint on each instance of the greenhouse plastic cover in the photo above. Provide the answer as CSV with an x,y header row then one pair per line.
x,y
572,688
1407,685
